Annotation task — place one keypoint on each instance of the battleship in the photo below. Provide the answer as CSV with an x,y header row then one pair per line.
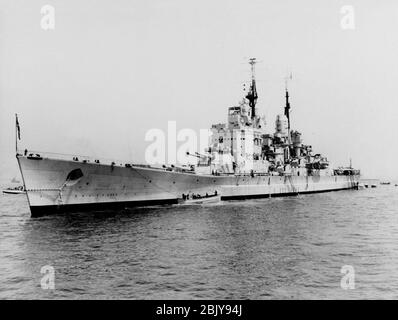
x,y
242,161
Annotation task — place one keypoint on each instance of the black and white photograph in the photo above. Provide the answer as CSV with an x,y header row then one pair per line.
x,y
180,150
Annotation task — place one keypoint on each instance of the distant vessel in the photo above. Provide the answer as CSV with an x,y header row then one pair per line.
x,y
361,186
385,183
16,190
243,161
15,180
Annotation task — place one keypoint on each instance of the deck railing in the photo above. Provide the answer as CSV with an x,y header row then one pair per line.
x,y
74,157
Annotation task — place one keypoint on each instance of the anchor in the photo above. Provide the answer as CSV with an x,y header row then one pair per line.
x,y
72,178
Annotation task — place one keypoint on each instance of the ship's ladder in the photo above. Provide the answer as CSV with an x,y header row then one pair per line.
x,y
60,201
294,189
352,181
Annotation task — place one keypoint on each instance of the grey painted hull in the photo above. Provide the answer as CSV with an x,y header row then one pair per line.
x,y
104,186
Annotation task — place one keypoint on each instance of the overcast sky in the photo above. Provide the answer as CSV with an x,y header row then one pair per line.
x,y
112,70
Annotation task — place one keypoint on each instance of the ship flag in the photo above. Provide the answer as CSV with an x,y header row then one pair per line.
x,y
17,127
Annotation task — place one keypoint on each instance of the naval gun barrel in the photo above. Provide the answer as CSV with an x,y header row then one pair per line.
x,y
198,155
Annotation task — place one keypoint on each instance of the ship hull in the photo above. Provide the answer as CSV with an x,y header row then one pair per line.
x,y
103,187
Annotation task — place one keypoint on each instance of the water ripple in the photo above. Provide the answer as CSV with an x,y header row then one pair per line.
x,y
283,248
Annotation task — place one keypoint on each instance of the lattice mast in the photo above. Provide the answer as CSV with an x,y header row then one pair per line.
x,y
252,94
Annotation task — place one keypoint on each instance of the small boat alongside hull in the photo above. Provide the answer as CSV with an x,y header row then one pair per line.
x,y
11,191
202,200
